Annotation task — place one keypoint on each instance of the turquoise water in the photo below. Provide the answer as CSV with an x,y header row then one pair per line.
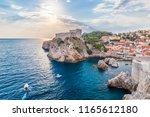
x,y
24,61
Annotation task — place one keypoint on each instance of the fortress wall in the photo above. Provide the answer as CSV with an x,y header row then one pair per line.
x,y
141,74
62,35
71,33
140,70
136,69
79,33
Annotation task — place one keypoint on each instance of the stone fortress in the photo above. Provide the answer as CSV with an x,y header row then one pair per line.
x,y
141,68
72,33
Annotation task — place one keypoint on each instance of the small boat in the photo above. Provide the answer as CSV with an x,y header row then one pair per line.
x,y
26,87
58,76
126,64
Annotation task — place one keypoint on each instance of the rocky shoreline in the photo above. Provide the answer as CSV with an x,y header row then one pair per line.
x,y
138,84
102,55
68,50
139,89
74,49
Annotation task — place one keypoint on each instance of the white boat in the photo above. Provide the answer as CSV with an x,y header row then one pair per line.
x,y
26,87
58,76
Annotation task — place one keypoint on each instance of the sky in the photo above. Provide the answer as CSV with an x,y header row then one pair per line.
x,y
44,18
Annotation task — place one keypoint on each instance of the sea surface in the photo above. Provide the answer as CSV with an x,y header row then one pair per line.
x,y
24,61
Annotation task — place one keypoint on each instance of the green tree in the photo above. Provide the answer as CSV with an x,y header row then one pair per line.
x,y
95,36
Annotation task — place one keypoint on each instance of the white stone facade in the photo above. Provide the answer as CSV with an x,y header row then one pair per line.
x,y
141,68
72,33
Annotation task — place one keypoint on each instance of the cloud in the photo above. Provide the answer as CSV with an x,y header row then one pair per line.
x,y
121,3
43,18
108,6
13,6
122,15
144,3
39,28
2,13
103,7
68,1
122,6
119,22
46,19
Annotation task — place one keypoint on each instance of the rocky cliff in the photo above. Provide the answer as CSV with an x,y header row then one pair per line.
x,y
123,81
72,46
71,49
139,83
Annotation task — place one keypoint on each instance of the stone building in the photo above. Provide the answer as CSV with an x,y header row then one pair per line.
x,y
110,38
72,33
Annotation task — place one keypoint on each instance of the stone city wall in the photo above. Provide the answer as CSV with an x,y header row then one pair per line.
x,y
71,33
141,68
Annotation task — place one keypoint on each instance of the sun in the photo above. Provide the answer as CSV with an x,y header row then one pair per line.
x,y
53,7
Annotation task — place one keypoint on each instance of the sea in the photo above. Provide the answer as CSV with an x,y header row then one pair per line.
x,y
24,61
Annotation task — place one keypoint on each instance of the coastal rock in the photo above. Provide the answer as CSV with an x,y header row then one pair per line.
x,y
102,65
71,49
138,84
141,74
46,45
112,62
142,92
136,96
123,81
106,60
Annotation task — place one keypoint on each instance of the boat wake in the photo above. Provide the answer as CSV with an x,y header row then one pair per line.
x,y
58,76
24,96
26,89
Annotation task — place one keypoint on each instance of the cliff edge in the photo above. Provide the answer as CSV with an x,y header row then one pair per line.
x,y
70,49
138,83
72,46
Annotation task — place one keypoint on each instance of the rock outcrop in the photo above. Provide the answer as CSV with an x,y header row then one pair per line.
x,y
112,62
46,45
123,81
106,60
71,49
102,65
138,84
